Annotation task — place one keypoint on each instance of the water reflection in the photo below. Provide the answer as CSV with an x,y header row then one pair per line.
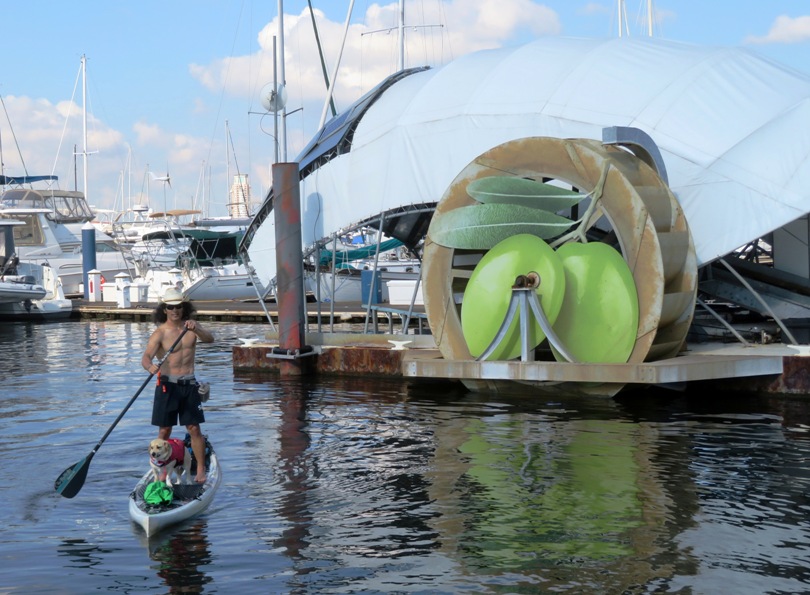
x,y
558,494
182,555
81,553
20,339
573,500
294,470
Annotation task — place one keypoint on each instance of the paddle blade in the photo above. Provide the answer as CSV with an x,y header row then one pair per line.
x,y
71,480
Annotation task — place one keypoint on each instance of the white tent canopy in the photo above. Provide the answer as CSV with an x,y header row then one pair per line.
x,y
732,128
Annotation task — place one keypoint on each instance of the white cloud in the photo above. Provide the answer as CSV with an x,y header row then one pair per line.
x,y
29,125
437,33
596,8
146,134
785,29
371,49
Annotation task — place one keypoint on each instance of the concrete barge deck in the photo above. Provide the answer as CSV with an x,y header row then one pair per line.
x,y
770,368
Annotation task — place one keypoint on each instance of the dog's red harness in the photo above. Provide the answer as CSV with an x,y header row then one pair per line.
x,y
178,453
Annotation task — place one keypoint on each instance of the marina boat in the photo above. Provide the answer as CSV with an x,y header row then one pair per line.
x,y
51,307
67,207
202,264
18,288
344,271
199,258
54,220
27,291
160,248
222,223
189,500
678,139
136,231
52,234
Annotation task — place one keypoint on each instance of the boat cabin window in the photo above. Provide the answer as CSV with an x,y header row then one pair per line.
x,y
6,246
68,208
14,198
103,246
29,234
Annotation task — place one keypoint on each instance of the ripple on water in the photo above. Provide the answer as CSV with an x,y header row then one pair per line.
x,y
340,485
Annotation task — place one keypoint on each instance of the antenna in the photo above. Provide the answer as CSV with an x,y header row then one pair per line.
x,y
273,97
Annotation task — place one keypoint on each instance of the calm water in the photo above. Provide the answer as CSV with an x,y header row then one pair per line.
x,y
363,486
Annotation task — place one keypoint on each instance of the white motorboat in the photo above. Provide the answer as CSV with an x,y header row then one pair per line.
x,y
344,270
203,264
159,248
52,234
27,291
200,259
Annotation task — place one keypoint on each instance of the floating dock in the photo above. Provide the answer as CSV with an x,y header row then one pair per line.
x,y
389,352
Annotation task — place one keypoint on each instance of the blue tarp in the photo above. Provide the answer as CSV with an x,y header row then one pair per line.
x,y
17,180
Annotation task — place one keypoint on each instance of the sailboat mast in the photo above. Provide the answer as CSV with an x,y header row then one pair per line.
x,y
129,177
622,13
331,89
401,30
84,121
320,54
227,165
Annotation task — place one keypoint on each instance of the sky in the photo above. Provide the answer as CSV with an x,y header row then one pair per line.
x,y
173,89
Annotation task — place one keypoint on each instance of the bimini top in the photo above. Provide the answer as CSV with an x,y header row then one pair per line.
x,y
731,126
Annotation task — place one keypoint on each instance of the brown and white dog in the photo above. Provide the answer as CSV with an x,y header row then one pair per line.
x,y
170,457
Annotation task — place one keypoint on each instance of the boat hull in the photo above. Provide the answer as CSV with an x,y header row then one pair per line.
x,y
229,282
189,500
349,285
37,310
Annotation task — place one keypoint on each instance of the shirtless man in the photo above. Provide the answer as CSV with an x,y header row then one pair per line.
x,y
176,394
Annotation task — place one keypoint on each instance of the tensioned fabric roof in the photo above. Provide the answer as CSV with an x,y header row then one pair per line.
x,y
733,129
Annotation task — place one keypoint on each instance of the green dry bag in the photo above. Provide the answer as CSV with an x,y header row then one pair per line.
x,y
157,493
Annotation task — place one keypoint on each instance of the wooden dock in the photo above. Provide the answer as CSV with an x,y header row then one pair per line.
x,y
341,347
252,311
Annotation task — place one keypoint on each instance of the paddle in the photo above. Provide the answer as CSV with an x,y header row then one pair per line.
x,y
71,480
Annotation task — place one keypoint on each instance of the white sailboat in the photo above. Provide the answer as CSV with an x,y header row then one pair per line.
x,y
201,258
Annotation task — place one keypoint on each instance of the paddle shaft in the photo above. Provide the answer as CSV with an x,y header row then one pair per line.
x,y
74,476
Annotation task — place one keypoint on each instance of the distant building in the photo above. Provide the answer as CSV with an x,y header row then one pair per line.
x,y
239,205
